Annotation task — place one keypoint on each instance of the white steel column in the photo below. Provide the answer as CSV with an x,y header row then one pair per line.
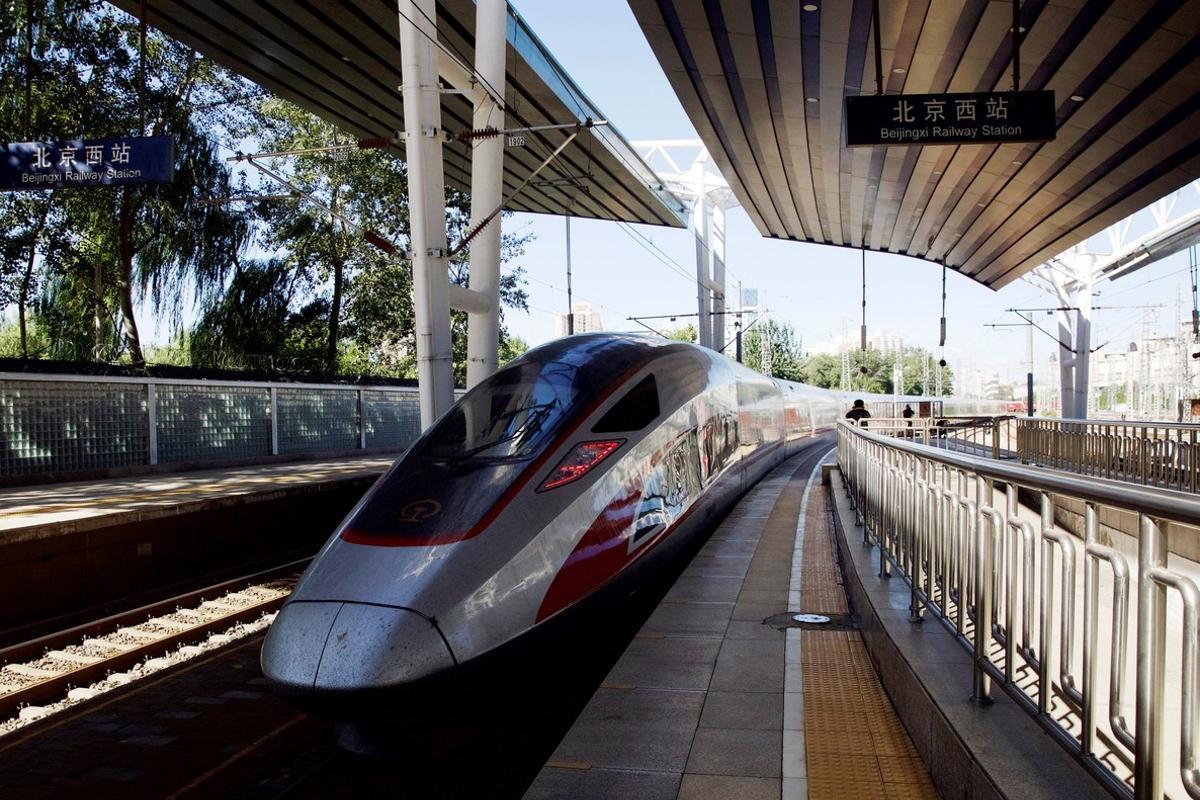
x,y
701,226
718,284
487,160
1066,360
427,206
1083,348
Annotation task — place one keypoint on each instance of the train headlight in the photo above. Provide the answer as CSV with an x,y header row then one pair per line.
x,y
579,462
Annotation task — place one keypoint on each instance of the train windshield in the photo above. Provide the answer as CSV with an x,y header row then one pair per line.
x,y
506,416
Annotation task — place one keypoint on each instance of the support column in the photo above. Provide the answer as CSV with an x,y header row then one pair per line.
x,y
718,268
487,161
1083,347
427,206
700,225
1066,361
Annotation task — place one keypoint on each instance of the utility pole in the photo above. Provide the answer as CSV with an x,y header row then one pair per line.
x,y
1029,371
1029,325
570,304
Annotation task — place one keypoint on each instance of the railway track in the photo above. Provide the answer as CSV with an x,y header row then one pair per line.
x,y
64,666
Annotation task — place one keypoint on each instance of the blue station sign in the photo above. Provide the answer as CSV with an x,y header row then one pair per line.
x,y
87,162
958,118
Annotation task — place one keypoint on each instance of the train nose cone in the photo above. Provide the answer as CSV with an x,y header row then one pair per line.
x,y
350,647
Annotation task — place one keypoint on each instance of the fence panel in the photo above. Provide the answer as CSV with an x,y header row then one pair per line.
x,y
62,424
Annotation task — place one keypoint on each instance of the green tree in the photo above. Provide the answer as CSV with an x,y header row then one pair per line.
x,y
822,369
684,333
511,348
366,293
872,371
78,75
786,349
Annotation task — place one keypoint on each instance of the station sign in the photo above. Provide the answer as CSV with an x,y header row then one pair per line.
x,y
87,162
958,118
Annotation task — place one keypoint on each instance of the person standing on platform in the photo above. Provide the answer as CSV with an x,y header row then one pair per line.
x,y
859,414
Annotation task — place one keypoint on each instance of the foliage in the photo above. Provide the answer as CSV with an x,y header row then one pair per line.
x,y
80,78
512,347
873,371
684,333
10,340
78,262
785,348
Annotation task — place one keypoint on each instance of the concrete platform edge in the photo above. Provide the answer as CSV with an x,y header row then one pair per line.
x,y
972,752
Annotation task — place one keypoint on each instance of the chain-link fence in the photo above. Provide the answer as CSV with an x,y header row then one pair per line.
x,y
63,424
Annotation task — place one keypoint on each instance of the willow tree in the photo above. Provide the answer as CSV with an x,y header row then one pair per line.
x,y
364,292
77,71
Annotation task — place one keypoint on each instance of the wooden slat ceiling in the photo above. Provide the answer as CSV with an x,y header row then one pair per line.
x,y
341,60
764,83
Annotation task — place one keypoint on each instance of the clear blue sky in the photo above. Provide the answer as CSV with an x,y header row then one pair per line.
x,y
814,287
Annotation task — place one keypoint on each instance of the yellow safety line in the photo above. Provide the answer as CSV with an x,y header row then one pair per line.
x,y
857,748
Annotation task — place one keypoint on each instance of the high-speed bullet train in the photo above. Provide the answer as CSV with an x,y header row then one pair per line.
x,y
560,475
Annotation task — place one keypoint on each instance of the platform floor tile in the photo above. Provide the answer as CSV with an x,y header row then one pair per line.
x,y
709,702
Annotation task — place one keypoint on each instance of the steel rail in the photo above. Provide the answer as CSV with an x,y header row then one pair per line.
x,y
34,648
55,687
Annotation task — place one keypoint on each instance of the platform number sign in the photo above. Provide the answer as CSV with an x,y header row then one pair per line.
x,y
87,162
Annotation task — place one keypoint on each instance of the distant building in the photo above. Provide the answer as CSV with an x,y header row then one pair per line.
x,y
750,314
886,342
586,320
971,382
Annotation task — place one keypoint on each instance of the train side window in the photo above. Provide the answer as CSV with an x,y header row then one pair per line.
x,y
637,409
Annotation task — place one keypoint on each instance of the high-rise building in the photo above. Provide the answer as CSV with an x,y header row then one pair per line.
x,y
885,342
586,320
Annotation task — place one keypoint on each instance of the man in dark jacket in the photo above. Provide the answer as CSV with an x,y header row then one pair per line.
x,y
858,413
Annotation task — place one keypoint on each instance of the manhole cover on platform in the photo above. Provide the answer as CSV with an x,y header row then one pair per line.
x,y
825,622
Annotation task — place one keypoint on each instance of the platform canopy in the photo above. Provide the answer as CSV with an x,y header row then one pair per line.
x,y
765,82
340,59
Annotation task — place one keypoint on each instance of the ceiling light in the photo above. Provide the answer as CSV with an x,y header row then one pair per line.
x,y
981,205
811,99
1016,163
809,6
899,70
1078,98
346,59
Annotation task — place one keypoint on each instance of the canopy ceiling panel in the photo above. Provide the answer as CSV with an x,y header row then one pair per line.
x,y
341,60
765,82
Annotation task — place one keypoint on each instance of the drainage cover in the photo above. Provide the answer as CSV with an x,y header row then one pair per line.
x,y
785,620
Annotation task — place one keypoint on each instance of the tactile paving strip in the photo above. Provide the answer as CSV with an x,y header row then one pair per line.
x,y
857,748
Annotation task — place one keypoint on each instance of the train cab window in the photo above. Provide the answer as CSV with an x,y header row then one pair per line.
x,y
507,415
637,409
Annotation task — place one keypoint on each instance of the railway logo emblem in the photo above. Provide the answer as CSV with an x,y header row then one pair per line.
x,y
420,511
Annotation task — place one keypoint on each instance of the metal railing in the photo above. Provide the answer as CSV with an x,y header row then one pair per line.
x,y
1077,631
72,423
1153,453
991,436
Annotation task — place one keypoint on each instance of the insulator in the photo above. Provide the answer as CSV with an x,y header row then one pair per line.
x,y
482,133
383,244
